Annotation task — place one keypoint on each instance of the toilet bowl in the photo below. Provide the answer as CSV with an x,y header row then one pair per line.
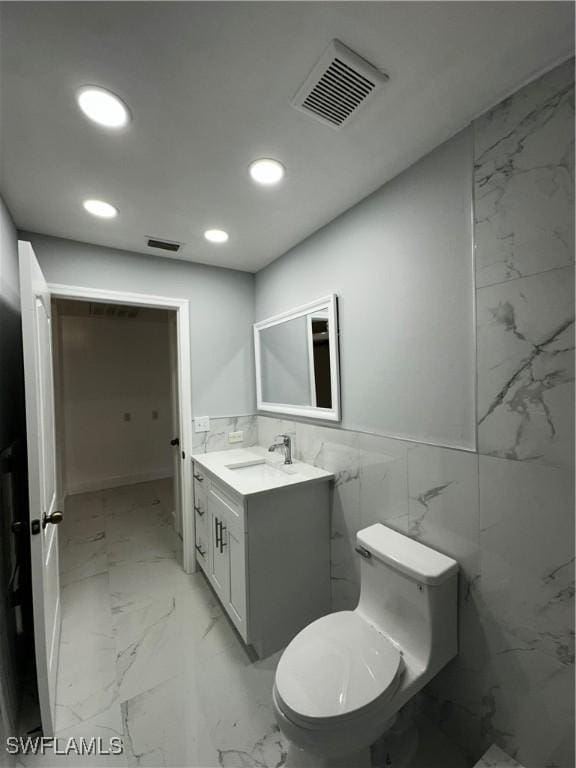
x,y
343,678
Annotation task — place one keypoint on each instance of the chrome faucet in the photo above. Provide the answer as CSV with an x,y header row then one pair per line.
x,y
285,443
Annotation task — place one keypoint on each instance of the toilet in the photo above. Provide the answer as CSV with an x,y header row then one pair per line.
x,y
341,681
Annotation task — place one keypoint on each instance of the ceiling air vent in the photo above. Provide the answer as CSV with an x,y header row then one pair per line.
x,y
165,245
340,83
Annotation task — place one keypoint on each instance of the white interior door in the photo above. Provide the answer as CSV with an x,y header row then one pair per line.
x,y
176,430
39,386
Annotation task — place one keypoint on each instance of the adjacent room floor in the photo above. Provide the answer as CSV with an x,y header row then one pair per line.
x,y
147,653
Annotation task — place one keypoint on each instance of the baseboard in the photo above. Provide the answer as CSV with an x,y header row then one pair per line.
x,y
116,482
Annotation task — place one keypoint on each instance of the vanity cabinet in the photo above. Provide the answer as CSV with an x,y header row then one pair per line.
x,y
266,555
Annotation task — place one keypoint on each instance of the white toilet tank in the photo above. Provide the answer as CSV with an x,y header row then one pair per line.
x,y
409,592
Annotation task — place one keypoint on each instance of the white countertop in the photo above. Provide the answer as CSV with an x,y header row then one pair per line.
x,y
256,470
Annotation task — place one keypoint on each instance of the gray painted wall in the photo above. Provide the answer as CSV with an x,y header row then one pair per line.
x,y
221,311
401,264
12,426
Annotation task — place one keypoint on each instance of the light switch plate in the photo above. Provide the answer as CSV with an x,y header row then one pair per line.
x,y
202,424
236,437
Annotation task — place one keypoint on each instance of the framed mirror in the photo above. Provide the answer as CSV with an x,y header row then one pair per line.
x,y
297,366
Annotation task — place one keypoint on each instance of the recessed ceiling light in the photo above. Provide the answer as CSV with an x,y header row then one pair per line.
x,y
216,235
100,208
103,107
267,171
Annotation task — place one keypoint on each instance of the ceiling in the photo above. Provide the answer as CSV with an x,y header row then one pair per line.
x,y
210,85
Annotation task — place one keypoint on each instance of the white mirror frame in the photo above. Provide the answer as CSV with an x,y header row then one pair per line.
x,y
329,307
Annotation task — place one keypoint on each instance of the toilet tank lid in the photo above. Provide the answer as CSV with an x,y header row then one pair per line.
x,y
407,555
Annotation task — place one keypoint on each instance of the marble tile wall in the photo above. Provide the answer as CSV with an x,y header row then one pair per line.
x,y
524,181
216,439
505,512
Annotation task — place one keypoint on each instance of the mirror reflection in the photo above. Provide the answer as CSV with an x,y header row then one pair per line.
x,y
295,361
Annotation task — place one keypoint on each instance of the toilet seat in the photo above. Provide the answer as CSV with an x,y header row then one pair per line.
x,y
336,669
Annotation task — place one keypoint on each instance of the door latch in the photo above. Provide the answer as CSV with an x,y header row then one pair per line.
x,y
55,518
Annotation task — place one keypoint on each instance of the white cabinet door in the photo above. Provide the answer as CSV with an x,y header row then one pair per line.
x,y
218,561
228,554
236,545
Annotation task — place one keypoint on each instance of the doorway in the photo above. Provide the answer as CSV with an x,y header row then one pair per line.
x,y
116,398
118,477
176,314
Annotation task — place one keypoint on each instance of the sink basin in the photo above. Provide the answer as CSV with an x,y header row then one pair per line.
x,y
253,470
260,469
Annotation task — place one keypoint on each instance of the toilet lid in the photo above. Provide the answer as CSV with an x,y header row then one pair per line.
x,y
336,665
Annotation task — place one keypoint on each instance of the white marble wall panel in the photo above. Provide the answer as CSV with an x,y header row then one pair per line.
x,y
526,368
524,181
523,602
216,439
526,604
443,503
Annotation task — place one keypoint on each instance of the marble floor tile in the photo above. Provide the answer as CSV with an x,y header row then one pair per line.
x,y
152,641
83,519
156,542
149,647
86,681
423,746
165,726
82,557
165,492
496,758
134,584
241,723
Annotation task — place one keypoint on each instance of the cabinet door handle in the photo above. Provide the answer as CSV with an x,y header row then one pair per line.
x,y
198,477
222,542
217,525
198,511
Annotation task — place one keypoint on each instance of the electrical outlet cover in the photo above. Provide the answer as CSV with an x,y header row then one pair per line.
x,y
202,424
236,437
